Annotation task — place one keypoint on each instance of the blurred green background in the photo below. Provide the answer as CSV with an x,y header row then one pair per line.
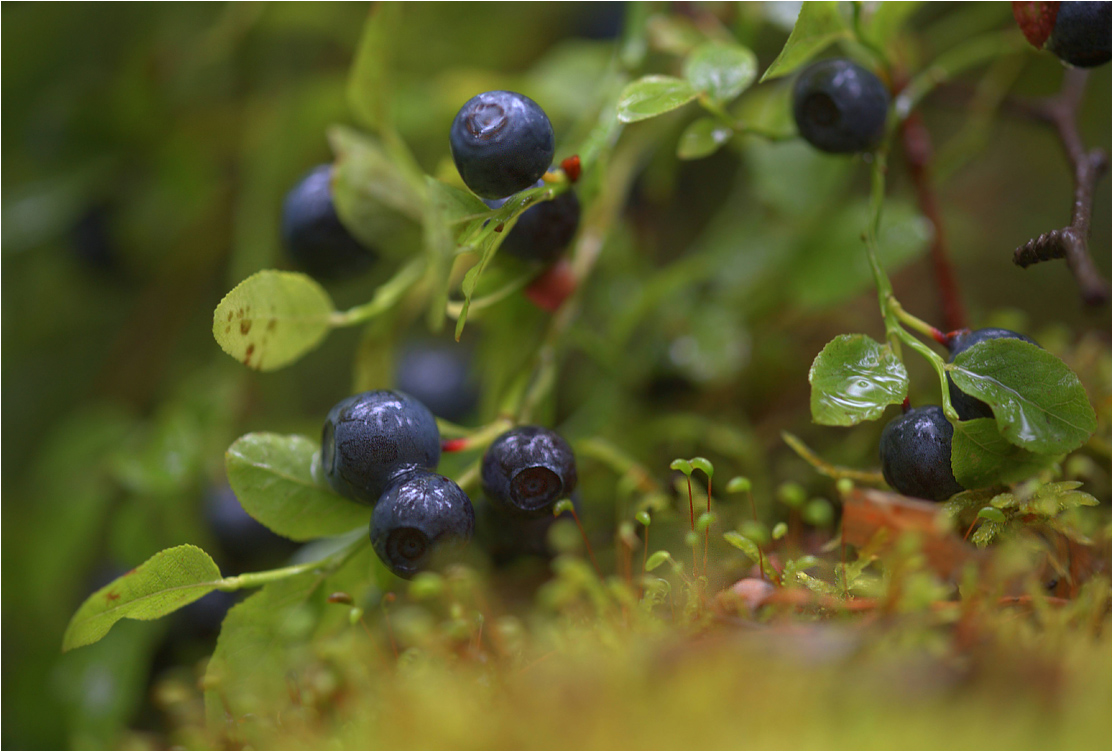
x,y
147,149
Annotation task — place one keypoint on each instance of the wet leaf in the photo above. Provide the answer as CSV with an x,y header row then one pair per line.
x,y
1038,402
721,69
272,477
272,318
981,456
702,138
854,379
652,96
369,77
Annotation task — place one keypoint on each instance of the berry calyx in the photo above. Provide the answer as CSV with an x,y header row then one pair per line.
x,y
527,470
419,513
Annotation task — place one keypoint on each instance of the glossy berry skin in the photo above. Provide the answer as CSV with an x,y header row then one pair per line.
x,y
967,407
418,513
371,438
916,454
1076,32
543,230
840,107
312,232
502,143
527,470
440,376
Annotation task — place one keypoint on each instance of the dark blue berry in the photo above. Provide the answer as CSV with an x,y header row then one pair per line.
x,y
543,230
314,236
840,107
440,376
916,454
371,438
508,539
1081,33
967,407
245,543
527,470
502,142
418,513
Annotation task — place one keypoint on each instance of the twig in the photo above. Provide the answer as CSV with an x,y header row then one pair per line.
x,y
1070,242
918,153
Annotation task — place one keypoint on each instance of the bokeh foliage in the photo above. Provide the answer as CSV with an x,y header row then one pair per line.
x,y
147,151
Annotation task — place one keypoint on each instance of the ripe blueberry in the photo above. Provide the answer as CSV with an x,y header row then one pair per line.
x,y
313,234
527,470
840,107
543,230
371,438
419,512
1076,32
916,454
966,406
502,143
440,376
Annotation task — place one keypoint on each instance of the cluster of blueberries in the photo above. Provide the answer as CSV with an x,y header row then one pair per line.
x,y
502,143
382,447
916,447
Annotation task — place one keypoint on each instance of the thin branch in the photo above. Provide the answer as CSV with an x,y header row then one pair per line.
x,y
918,154
1070,242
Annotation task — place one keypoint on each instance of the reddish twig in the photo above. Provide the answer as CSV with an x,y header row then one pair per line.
x,y
1070,242
917,151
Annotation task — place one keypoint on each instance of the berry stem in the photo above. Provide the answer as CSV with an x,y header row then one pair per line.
x,y
388,294
707,530
587,543
692,516
760,555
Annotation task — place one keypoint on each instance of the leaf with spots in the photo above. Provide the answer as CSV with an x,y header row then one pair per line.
x,y
854,379
161,585
272,476
272,318
1038,402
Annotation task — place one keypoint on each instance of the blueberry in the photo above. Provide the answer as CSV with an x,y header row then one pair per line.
x,y
966,406
543,230
314,236
502,142
440,376
1081,33
509,539
371,438
840,107
527,470
1076,32
418,513
916,454
245,543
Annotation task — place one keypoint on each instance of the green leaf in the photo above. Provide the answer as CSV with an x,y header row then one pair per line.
x,y
372,194
272,318
981,456
272,477
683,466
1037,400
652,96
743,544
721,70
854,379
990,513
164,583
703,465
702,138
369,79
818,25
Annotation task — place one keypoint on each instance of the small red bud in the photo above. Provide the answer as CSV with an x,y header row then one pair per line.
x,y
1036,20
571,167
551,288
